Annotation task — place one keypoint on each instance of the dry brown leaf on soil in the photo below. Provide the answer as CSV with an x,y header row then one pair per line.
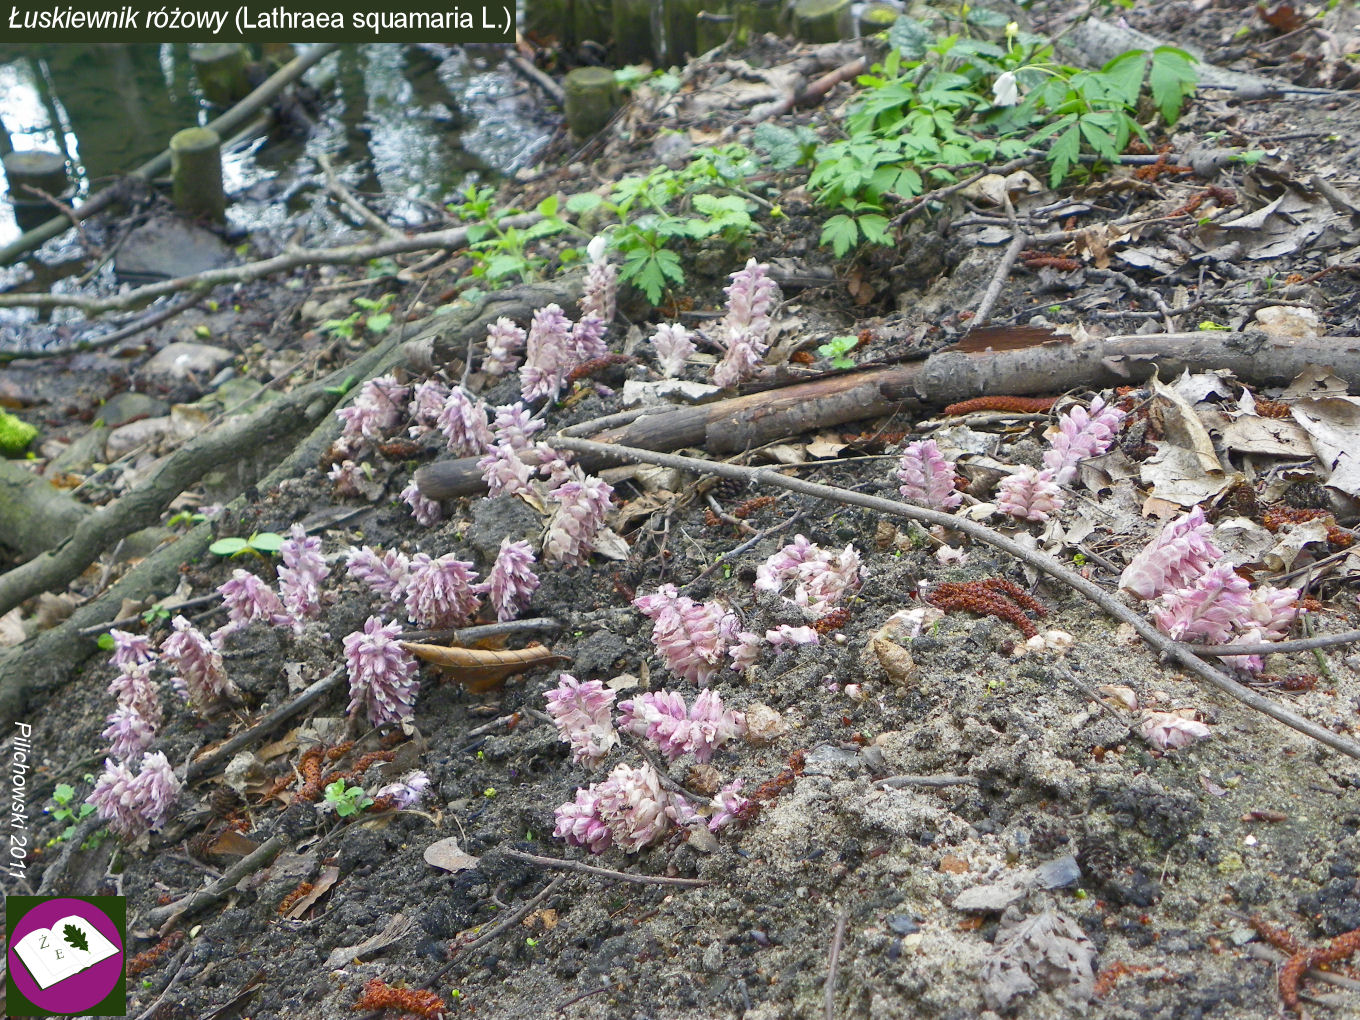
x,y
1333,425
448,855
480,669
324,881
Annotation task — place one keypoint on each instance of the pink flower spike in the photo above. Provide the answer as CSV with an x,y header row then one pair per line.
x,y
745,650
463,422
406,792
1169,730
156,788
505,472
135,689
600,296
1029,494
1274,610
743,331
692,637
115,799
248,599
514,426
427,403
587,340
578,822
199,674
927,477
385,575
727,805
582,504
786,635
549,356
581,713
504,341
439,591
512,581
1081,434
426,511
672,346
301,575
1209,610
1182,550
376,410
128,733
661,718
383,677
130,649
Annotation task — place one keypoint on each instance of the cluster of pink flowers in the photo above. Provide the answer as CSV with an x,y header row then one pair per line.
x,y
751,298
549,356
819,579
672,346
629,810
463,422
1081,433
383,676
300,577
1208,608
374,413
427,404
511,581
131,804
662,718
504,341
133,722
581,713
1029,494
601,292
514,426
692,637
439,592
927,477
583,502
505,472
1182,550
406,792
199,674
385,574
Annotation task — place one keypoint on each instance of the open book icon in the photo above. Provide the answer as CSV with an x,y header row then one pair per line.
x,y
70,946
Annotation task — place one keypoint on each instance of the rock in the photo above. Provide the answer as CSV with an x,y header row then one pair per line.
x,y
124,440
167,248
130,405
185,360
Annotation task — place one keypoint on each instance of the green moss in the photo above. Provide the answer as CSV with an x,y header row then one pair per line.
x,y
15,434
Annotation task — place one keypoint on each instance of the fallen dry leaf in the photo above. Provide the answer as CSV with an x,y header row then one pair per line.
x,y
328,877
480,669
447,855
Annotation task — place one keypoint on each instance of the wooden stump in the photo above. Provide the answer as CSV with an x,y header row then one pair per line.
x,y
43,170
221,71
877,17
592,98
196,169
822,21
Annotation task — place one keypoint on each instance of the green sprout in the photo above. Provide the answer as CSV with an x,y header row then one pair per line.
x,y
63,797
259,543
838,349
347,800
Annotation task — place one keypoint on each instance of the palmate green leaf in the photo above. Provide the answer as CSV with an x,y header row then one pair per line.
x,y
841,232
1124,76
909,38
585,201
1063,153
1173,78
1100,140
875,228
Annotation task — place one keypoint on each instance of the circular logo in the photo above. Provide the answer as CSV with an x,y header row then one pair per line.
x,y
65,955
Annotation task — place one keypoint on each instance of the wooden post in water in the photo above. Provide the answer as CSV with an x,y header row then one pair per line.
x,y
221,71
679,30
592,98
822,21
877,17
633,42
196,170
43,170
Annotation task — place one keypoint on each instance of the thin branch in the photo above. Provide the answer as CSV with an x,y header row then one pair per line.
x,y
617,876
833,965
729,556
1270,647
164,918
338,188
926,782
1165,646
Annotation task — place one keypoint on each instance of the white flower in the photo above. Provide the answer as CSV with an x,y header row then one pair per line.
x,y
1005,89
595,249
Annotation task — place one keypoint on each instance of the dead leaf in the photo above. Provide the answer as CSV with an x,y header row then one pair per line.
x,y
1269,437
1181,425
1282,17
1289,542
1333,426
447,855
480,669
231,843
394,931
324,881
1048,950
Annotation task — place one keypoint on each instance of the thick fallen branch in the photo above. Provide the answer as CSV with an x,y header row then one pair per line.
x,y
456,237
223,125
34,514
741,423
1169,649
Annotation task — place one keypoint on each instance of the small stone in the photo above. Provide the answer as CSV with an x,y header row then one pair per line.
x,y
902,924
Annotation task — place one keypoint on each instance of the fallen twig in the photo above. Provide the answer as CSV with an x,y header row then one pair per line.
x,y
1169,649
166,917
928,782
1269,647
1003,270
532,74
833,965
346,198
589,869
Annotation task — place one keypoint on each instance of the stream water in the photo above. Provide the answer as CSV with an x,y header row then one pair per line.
x,y
408,123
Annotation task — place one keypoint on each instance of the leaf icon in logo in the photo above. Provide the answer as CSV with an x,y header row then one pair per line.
x,y
75,937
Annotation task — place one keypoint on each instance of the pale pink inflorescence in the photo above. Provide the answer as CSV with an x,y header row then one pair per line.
x,y
600,293
130,649
300,577
504,342
511,581
377,411
629,810
1208,609
135,689
662,718
199,674
745,650
129,733
672,346
743,331
692,637
581,713
385,574
927,477
583,501
406,792
587,340
727,805
1169,730
514,426
1029,494
248,599
383,677
463,422
426,511
504,472
439,592
550,354
1081,434
1182,550
809,576
785,634
427,404
131,804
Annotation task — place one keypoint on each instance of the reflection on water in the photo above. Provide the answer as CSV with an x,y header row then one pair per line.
x,y
409,122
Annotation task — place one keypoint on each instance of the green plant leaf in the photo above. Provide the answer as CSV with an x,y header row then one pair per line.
x,y
583,202
1063,153
909,38
266,541
841,232
1173,78
75,936
63,793
378,322
984,17
228,546
1124,76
